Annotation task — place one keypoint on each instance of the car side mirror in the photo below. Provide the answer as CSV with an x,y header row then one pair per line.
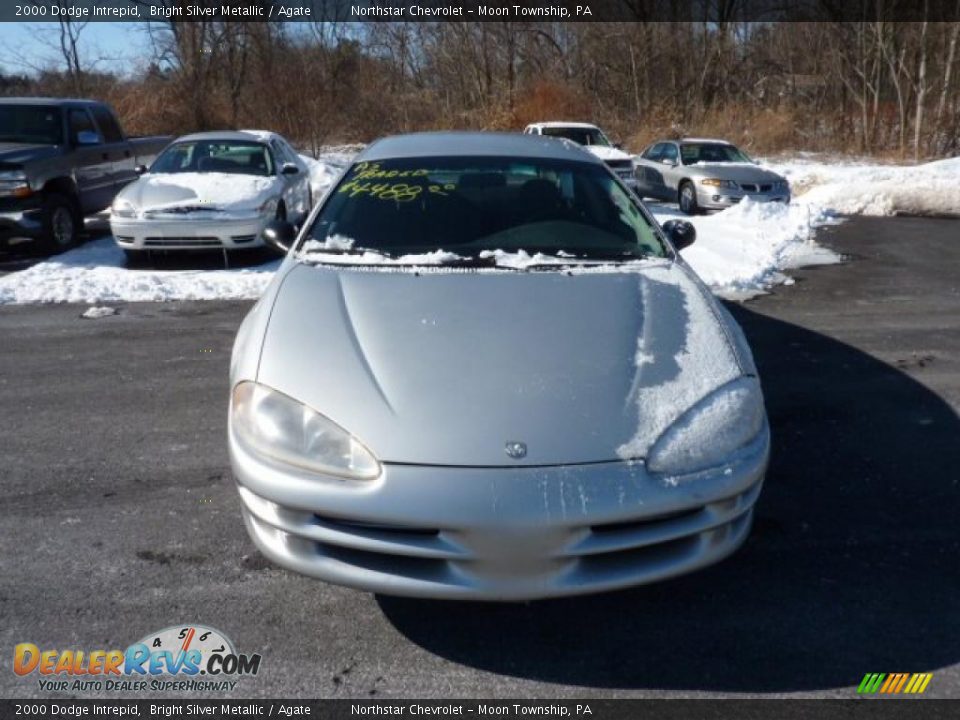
x,y
140,169
682,234
289,169
618,145
667,161
88,137
279,234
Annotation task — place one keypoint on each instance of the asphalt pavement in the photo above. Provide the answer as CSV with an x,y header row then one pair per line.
x,y
118,515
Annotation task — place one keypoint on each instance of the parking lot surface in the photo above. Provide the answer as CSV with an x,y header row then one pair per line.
x,y
118,515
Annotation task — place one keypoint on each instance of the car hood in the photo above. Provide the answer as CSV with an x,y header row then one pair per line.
x,y
607,153
223,191
446,368
738,172
21,153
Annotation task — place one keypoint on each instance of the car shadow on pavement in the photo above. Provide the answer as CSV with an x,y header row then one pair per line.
x,y
851,566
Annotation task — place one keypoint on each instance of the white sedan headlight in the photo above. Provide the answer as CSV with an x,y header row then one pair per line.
x,y
706,434
277,426
123,209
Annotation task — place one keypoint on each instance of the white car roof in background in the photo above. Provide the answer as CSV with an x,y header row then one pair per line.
x,y
560,124
263,134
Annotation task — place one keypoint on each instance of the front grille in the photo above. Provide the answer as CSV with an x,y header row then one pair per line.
x,y
398,531
620,164
765,188
749,187
243,238
191,241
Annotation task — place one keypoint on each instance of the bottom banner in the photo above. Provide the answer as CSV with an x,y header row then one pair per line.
x,y
893,709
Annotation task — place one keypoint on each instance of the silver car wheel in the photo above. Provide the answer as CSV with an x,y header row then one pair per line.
x,y
688,199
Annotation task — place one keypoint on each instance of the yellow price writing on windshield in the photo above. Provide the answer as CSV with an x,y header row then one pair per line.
x,y
400,192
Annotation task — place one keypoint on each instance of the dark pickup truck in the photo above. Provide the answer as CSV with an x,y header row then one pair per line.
x,y
59,161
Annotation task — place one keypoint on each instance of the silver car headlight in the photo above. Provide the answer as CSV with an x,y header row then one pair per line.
x,y
123,209
708,433
717,182
277,426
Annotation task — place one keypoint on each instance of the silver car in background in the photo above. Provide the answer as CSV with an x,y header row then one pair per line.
x,y
483,371
702,174
212,190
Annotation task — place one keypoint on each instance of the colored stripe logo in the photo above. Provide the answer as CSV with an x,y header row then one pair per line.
x,y
894,683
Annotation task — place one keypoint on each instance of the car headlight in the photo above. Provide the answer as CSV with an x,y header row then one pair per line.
x,y
717,182
277,426
781,185
14,183
706,434
123,209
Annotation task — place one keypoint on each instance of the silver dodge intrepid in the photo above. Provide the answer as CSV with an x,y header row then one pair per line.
x,y
483,371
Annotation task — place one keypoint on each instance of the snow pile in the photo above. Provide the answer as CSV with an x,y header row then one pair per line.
x,y
740,252
858,188
95,273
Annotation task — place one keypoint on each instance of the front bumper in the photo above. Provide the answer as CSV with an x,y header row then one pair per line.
x,y
713,198
20,219
498,533
187,233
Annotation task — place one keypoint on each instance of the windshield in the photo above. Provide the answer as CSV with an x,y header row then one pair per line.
x,y
580,135
692,153
30,124
215,156
468,205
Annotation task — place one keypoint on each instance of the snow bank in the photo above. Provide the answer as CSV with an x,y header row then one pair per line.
x,y
740,252
95,273
858,188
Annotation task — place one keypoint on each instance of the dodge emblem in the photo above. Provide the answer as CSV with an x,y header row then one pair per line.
x,y
516,449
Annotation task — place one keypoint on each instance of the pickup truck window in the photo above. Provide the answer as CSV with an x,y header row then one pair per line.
x,y
79,121
31,124
108,126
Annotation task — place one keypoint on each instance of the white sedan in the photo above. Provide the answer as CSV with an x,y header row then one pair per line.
x,y
212,190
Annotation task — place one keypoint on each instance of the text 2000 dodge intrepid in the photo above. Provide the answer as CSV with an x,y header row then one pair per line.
x,y
483,371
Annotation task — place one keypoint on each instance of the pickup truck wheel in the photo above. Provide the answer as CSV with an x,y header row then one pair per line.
x,y
688,198
61,223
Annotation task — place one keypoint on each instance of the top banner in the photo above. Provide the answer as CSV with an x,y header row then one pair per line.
x,y
705,11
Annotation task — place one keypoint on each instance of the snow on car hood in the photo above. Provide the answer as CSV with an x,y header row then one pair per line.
x,y
446,368
607,153
227,192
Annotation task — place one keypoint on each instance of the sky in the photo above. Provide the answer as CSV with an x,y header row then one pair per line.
x,y
110,46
